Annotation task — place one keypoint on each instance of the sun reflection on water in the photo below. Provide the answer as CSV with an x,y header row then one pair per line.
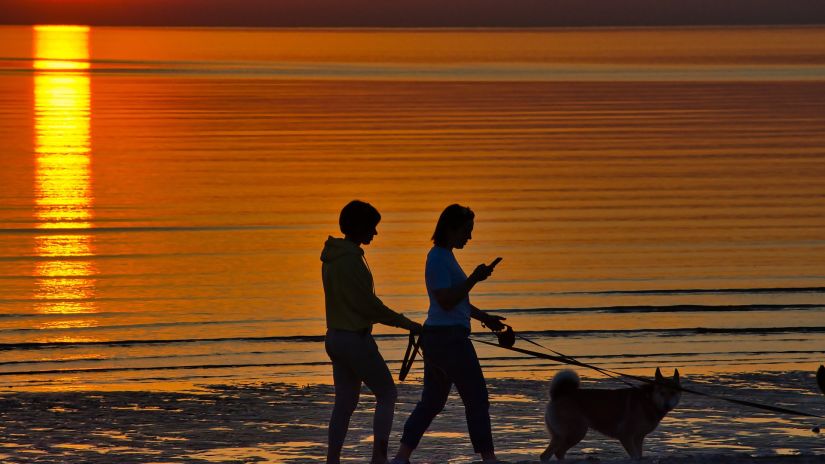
x,y
63,175
61,47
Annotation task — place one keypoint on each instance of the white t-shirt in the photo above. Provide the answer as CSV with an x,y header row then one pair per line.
x,y
442,271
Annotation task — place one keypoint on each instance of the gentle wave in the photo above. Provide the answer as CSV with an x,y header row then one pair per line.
x,y
122,343
160,368
724,354
688,331
122,299
60,315
543,310
508,359
132,358
153,325
134,229
584,310
118,256
473,71
702,291
659,309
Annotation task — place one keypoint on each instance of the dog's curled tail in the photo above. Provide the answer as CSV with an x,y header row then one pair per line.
x,y
565,382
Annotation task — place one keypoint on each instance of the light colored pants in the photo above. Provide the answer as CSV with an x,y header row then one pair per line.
x,y
355,359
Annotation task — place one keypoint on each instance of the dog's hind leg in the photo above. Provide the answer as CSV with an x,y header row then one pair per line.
x,y
569,441
548,453
553,447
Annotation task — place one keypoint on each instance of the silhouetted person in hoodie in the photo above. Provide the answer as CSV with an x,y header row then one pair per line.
x,y
352,308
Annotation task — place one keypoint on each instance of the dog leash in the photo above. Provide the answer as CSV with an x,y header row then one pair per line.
x,y
506,338
572,361
409,356
596,368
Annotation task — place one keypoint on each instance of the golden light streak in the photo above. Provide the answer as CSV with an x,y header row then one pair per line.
x,y
63,176
61,47
62,145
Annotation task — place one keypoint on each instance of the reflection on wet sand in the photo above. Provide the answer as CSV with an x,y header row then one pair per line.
x,y
63,176
275,422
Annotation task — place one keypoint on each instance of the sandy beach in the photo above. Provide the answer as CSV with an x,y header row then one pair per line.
x,y
285,423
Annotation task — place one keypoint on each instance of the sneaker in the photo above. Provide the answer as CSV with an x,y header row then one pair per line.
x,y
399,461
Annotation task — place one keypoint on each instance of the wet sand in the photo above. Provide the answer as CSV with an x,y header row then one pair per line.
x,y
285,423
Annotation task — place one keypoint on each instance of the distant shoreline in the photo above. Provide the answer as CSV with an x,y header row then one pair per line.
x,y
417,13
346,28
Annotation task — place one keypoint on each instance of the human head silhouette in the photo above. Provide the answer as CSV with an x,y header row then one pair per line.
x,y
359,221
454,227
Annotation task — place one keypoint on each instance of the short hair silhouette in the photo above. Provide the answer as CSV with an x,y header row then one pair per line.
x,y
358,217
453,217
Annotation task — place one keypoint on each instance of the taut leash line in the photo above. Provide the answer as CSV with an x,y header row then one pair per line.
x,y
575,362
603,371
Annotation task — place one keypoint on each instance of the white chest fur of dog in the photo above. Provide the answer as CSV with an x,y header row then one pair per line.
x,y
627,414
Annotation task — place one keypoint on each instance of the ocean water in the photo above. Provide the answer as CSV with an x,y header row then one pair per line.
x,y
658,195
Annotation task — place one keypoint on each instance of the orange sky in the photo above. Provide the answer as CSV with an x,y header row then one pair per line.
x,y
427,13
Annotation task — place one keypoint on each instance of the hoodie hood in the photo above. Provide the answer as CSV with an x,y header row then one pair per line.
x,y
335,248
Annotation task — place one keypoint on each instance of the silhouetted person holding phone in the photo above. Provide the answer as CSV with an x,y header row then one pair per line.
x,y
351,309
449,356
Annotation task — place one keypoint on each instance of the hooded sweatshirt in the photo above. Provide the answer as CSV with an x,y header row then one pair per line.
x,y
349,291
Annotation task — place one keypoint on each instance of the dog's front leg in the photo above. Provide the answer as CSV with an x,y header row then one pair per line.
x,y
633,446
637,443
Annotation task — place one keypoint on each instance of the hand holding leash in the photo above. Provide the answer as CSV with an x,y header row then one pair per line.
x,y
505,334
494,323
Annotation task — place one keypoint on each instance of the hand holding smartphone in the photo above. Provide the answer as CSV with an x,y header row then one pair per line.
x,y
483,271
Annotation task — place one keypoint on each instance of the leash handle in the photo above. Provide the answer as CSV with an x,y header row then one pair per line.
x,y
506,336
409,356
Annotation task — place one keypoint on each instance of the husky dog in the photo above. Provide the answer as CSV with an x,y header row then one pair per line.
x,y
820,378
627,414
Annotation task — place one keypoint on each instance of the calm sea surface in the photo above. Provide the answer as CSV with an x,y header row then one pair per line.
x,y
658,195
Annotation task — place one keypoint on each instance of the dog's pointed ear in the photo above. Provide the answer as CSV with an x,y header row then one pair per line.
x,y
659,374
676,375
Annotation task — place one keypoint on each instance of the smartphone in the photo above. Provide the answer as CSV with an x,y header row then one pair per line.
x,y
495,261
